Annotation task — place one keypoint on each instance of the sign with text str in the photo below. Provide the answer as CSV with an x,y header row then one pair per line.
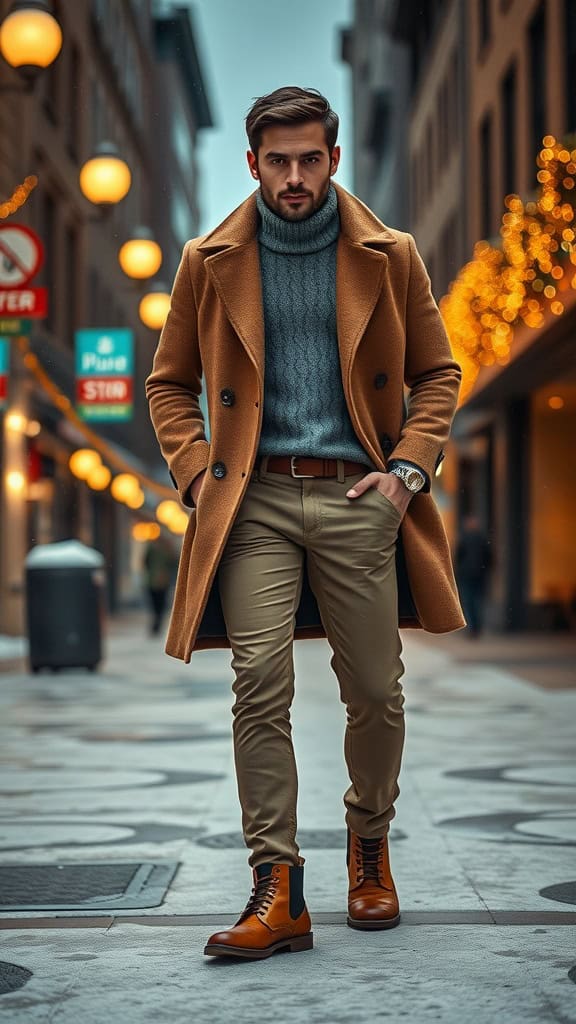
x,y
104,373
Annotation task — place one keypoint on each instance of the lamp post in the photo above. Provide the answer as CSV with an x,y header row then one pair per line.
x,y
30,40
141,256
105,178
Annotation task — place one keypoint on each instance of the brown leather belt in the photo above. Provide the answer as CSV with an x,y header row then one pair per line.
x,y
300,466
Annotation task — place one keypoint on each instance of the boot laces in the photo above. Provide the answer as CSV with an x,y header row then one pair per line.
x,y
262,896
368,853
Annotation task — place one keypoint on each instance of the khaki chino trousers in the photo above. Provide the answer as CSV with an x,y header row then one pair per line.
x,y
349,545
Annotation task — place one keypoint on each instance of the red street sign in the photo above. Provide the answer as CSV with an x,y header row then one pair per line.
x,y
29,302
21,255
104,390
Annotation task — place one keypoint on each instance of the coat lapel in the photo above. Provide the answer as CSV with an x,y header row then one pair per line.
x,y
359,277
233,263
235,273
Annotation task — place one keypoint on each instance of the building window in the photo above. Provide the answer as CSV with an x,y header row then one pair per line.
x,y
508,101
379,123
537,78
52,76
453,98
74,101
71,267
483,24
430,165
570,35
486,176
49,240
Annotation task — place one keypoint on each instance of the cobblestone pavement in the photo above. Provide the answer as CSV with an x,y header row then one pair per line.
x,y
134,764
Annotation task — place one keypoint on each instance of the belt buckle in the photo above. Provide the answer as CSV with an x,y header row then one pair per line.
x,y
299,476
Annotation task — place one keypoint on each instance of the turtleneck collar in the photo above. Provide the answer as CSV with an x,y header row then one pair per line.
x,y
299,236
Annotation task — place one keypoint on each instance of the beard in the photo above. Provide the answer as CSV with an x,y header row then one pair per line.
x,y
293,211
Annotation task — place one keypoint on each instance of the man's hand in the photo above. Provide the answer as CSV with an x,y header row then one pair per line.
x,y
390,485
196,486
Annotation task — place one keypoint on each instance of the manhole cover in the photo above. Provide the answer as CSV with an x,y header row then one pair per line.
x,y
12,977
563,892
113,885
310,839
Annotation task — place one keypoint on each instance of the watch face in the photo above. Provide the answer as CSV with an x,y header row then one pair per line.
x,y
413,480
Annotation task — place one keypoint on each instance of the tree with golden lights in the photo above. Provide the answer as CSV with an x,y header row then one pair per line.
x,y
520,281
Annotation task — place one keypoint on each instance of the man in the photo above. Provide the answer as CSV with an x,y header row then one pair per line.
x,y
159,569
473,560
306,316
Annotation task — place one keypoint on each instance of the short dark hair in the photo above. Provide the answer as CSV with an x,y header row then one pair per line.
x,y
290,105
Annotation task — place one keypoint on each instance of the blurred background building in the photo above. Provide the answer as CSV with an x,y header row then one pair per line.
x,y
128,73
452,100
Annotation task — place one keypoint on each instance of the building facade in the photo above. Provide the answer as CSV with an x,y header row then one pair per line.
x,y
488,80
128,73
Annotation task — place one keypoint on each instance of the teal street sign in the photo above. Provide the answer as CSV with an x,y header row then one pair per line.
x,y
104,373
4,367
12,326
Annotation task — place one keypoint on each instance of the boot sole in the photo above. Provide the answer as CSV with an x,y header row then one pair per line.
x,y
373,926
296,945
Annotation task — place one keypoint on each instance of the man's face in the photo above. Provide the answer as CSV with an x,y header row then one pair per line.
x,y
294,168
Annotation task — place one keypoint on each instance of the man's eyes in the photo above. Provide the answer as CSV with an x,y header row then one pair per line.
x,y
307,160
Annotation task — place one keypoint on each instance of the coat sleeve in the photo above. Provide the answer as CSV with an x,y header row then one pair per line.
x,y
430,373
173,388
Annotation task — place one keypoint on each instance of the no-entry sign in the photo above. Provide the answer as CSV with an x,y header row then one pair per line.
x,y
104,369
21,255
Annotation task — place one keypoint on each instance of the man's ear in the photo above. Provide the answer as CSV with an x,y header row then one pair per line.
x,y
335,159
253,164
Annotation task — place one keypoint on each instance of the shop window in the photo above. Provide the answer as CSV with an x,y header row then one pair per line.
x,y
486,191
537,77
509,122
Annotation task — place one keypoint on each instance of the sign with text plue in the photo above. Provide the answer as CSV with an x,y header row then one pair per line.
x,y
104,373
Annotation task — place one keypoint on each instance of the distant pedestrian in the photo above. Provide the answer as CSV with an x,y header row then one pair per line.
x,y
306,317
160,564
473,561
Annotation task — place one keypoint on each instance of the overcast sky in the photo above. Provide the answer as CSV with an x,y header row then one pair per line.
x,y
248,48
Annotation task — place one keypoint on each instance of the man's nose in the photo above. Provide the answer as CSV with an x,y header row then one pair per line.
x,y
294,174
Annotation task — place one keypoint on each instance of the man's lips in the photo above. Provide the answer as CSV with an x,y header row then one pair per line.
x,y
296,196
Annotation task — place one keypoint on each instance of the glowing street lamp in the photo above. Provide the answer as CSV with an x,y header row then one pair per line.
x,y
154,307
30,37
125,487
83,462
141,256
105,179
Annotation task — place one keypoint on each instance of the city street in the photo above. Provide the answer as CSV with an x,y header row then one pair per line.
x,y
133,766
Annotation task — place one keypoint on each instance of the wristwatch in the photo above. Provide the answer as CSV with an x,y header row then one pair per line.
x,y
412,478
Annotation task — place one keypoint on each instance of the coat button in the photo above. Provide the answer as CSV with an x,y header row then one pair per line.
x,y
380,380
227,396
219,470
387,444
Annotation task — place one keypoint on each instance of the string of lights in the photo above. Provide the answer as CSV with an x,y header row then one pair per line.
x,y
19,197
522,280
127,486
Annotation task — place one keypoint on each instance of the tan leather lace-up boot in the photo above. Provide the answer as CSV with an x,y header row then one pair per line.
x,y
274,918
372,896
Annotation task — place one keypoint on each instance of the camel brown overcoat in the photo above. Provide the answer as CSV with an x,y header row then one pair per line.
x,y
390,334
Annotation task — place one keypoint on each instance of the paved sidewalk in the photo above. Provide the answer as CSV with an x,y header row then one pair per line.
x,y
135,764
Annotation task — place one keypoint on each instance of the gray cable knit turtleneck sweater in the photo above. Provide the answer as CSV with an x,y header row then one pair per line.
x,y
305,411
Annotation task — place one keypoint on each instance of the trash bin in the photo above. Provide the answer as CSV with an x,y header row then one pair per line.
x,y
65,606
